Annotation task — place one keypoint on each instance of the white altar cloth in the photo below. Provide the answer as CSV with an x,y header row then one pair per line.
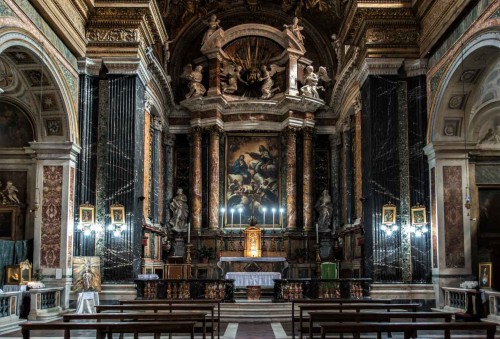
x,y
242,279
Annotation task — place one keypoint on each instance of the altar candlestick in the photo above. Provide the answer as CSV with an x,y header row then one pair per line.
x,y
281,216
189,232
264,209
222,210
232,215
240,210
274,211
317,234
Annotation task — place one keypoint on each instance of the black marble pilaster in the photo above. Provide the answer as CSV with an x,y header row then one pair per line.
x,y
87,159
349,179
123,181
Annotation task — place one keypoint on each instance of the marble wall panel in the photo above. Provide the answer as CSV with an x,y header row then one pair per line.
x,y
435,263
50,242
147,165
453,217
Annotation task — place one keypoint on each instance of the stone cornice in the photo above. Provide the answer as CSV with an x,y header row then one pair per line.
x,y
54,150
374,66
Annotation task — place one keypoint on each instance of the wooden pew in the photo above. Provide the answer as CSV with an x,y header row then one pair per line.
x,y
162,307
178,302
129,317
104,329
409,329
338,317
357,307
297,302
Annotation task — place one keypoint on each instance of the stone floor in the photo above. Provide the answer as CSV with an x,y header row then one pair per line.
x,y
264,330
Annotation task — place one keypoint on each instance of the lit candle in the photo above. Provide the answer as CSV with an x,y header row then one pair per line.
x,y
274,211
240,210
264,209
317,234
232,215
189,232
222,210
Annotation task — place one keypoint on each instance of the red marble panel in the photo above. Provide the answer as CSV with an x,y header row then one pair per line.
x,y
50,242
71,206
453,217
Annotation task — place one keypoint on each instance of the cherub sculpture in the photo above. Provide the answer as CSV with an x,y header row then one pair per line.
x,y
196,89
311,80
11,191
233,74
213,25
266,77
296,29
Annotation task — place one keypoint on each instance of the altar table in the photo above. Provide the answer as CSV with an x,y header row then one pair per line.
x,y
242,279
261,264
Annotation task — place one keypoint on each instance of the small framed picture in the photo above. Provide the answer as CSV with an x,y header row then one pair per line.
x,y
388,214
485,274
418,215
117,214
87,214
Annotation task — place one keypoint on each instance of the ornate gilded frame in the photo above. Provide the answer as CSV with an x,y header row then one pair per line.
x,y
388,214
117,212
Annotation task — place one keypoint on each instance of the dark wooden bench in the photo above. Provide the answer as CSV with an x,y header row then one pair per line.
x,y
155,307
198,317
408,328
104,329
338,317
178,302
356,307
297,302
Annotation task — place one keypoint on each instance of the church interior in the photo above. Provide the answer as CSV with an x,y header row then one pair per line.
x,y
249,152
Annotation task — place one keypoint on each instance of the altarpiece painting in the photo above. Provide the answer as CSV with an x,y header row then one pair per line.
x,y
86,274
252,179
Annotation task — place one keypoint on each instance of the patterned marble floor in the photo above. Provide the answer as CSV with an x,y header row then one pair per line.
x,y
264,330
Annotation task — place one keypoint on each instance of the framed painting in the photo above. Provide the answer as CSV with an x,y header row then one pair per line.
x,y
86,274
87,214
485,270
418,215
489,213
8,222
117,214
388,214
252,179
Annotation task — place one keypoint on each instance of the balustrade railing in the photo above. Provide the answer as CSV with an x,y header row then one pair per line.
x,y
186,289
494,305
462,300
9,305
290,289
45,303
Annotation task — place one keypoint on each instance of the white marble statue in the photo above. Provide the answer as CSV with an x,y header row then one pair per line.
x,y
195,76
232,74
266,77
179,208
296,29
87,279
11,192
324,207
213,25
311,80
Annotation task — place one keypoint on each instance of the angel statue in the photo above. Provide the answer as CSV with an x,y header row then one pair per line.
x,y
196,89
212,24
266,77
311,79
296,29
233,75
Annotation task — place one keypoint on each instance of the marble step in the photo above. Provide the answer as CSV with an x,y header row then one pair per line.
x,y
255,311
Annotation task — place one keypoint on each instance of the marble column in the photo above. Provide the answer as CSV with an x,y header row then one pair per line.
x,y
155,168
168,143
308,179
213,169
334,172
291,177
196,187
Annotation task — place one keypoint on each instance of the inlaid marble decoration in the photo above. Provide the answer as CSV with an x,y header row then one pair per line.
x,y
453,218
50,244
71,206
434,219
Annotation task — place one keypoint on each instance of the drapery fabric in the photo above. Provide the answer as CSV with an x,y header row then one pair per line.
x,y
12,253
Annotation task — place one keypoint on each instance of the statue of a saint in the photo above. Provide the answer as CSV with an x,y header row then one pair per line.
x,y
325,210
213,25
179,209
296,29
196,89
87,279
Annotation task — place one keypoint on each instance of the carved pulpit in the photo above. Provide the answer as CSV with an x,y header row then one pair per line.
x,y
253,242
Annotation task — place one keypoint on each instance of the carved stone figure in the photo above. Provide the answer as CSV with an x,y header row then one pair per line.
x,y
179,209
11,191
213,25
196,89
311,79
266,77
325,209
87,280
296,29
233,75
